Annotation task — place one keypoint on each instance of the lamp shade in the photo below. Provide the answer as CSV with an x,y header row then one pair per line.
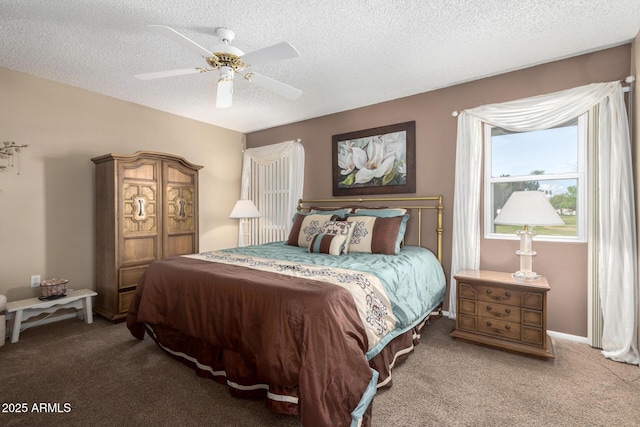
x,y
528,208
244,209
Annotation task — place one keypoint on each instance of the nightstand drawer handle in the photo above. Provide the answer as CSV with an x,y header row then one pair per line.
x,y
499,331
507,312
507,295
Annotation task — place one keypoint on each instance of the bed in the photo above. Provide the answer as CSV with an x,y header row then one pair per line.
x,y
314,324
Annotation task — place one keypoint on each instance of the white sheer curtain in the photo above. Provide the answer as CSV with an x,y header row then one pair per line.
x,y
616,254
273,178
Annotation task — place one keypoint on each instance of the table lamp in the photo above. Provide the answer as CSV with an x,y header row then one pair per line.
x,y
243,210
527,208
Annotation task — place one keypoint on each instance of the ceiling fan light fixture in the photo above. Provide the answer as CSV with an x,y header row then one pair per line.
x,y
226,73
224,94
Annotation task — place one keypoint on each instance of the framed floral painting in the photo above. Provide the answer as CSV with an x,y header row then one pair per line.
x,y
381,160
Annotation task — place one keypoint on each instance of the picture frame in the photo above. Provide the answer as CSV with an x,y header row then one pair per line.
x,y
379,160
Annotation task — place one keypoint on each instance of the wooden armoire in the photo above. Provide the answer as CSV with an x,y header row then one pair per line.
x,y
146,209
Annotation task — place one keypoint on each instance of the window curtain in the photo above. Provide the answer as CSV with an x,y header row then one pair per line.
x,y
615,212
272,177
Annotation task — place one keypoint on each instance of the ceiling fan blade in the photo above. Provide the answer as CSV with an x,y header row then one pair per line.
x,y
185,42
280,88
171,73
277,52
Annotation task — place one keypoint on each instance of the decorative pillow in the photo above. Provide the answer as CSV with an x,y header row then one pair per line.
x,y
339,228
382,212
401,231
332,244
305,226
320,211
377,235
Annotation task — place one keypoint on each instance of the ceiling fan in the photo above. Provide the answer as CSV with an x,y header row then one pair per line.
x,y
229,60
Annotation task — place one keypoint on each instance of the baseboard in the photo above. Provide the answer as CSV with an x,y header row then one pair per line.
x,y
568,337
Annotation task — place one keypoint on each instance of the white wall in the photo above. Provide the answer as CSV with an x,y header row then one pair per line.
x,y
47,211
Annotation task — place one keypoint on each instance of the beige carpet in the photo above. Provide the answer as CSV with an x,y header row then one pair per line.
x,y
108,378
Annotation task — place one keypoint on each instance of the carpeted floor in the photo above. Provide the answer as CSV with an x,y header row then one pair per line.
x,y
107,378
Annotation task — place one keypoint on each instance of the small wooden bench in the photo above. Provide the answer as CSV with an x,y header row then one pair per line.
x,y
22,310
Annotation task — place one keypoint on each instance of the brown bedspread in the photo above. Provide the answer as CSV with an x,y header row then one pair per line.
x,y
301,336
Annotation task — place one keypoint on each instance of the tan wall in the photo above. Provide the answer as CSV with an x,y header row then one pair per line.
x,y
47,212
563,264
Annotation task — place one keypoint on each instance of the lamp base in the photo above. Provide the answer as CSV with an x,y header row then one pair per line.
x,y
526,275
526,255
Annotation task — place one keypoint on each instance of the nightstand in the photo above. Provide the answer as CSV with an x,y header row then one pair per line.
x,y
496,310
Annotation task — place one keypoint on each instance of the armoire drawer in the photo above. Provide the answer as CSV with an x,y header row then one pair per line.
x,y
124,300
128,277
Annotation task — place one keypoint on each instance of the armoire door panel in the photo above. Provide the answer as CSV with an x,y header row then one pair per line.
x,y
139,250
180,210
139,208
141,170
181,244
179,175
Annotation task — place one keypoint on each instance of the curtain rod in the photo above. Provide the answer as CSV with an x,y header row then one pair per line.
x,y
628,80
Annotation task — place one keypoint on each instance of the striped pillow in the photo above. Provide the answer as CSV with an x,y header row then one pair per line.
x,y
332,244
343,228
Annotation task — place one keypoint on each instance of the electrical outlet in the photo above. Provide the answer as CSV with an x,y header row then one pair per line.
x,y
35,280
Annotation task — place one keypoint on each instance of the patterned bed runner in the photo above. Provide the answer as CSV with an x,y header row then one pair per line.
x,y
374,307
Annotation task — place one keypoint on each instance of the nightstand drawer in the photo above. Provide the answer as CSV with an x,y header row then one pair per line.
x,y
499,294
499,328
498,311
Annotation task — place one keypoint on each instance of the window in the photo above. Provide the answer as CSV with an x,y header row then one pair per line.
x,y
272,177
552,161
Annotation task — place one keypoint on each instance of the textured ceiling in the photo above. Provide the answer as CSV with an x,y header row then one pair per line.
x,y
353,53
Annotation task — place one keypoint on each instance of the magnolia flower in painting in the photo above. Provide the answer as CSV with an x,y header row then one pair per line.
x,y
374,163
373,160
345,158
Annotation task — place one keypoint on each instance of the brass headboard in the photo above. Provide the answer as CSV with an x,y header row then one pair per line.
x,y
413,203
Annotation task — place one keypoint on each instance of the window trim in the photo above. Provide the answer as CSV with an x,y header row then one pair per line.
x,y
580,176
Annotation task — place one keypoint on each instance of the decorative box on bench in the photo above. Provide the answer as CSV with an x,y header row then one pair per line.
x,y
53,288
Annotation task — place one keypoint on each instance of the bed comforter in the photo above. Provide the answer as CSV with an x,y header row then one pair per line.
x,y
310,344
